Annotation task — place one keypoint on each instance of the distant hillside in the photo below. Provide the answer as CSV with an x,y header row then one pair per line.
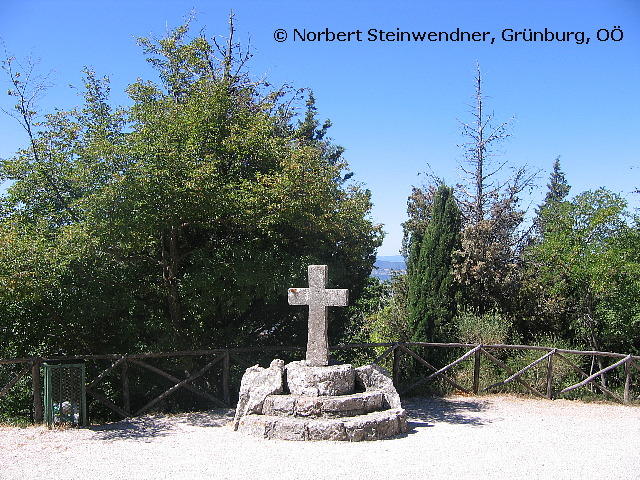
x,y
390,265
391,258
385,264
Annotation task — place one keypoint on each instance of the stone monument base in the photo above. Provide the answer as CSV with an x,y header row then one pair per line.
x,y
368,426
305,402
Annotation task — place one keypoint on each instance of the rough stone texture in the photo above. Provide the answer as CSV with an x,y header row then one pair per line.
x,y
319,298
374,377
323,406
351,405
280,405
377,425
291,430
257,383
322,403
304,379
326,430
372,426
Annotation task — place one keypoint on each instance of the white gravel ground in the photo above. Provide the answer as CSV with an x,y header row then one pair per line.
x,y
495,437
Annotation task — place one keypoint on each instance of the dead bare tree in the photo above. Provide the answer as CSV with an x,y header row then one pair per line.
x,y
481,187
27,88
488,199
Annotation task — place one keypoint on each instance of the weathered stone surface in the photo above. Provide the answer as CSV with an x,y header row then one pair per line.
x,y
308,407
352,405
319,298
325,406
374,377
280,405
326,430
257,383
376,425
256,425
292,429
372,426
305,379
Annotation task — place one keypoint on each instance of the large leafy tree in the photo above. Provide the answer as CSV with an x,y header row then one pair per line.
x,y
180,221
585,271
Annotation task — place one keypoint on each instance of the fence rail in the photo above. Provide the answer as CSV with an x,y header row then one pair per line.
x,y
221,392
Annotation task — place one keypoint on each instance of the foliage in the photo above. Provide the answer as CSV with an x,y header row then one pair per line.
x,y
558,188
390,322
563,374
431,299
177,222
16,404
585,272
485,266
572,275
419,206
491,328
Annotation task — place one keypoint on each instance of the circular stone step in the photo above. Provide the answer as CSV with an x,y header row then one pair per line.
x,y
324,406
371,426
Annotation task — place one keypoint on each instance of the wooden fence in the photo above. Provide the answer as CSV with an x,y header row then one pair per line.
x,y
549,355
200,367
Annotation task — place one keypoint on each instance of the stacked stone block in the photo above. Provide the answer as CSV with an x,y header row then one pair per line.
x,y
319,403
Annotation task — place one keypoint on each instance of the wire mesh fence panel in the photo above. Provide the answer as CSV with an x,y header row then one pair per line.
x,y
65,395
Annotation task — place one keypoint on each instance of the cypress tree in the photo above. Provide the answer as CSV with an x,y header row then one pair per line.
x,y
431,286
558,186
558,190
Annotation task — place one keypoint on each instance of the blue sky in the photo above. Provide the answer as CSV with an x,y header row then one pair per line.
x,y
394,105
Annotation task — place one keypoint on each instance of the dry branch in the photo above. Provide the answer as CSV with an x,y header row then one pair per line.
x,y
437,373
596,375
520,372
508,370
15,380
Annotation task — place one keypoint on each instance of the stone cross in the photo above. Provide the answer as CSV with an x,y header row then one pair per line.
x,y
319,298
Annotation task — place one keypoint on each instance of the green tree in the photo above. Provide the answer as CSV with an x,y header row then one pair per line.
x,y
419,206
431,288
557,191
389,320
180,221
585,268
558,188
531,322
310,133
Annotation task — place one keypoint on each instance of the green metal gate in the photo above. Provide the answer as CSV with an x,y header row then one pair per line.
x,y
65,400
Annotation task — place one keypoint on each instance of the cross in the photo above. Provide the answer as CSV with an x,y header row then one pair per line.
x,y
319,298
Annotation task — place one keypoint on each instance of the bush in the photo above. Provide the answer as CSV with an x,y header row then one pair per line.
x,y
16,404
563,374
487,329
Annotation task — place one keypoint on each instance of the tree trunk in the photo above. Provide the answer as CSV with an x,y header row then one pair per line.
x,y
591,322
170,275
479,203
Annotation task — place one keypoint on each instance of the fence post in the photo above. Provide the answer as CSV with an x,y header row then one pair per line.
x,y
476,370
36,383
396,366
550,376
125,387
627,381
226,397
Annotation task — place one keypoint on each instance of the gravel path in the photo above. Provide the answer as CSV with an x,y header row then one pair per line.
x,y
457,437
